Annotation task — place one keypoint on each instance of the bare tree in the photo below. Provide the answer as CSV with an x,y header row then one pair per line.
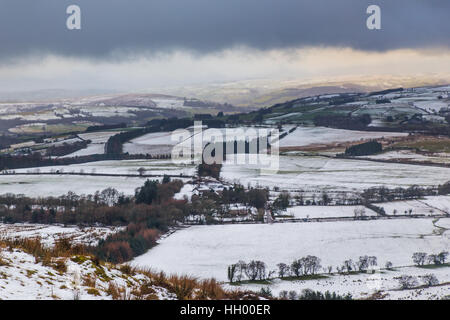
x,y
256,270
109,196
313,264
251,271
232,272
297,267
430,280
363,263
283,270
240,270
419,258
373,261
261,267
433,259
348,265
443,257
359,212
407,282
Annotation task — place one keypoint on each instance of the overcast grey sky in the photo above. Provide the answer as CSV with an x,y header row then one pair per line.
x,y
147,35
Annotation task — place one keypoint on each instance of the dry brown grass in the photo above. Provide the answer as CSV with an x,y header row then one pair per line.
x,y
113,290
54,257
191,288
210,289
34,246
144,292
3,262
183,286
127,269
89,281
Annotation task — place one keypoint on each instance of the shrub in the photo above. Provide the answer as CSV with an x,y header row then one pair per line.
x,y
308,294
266,292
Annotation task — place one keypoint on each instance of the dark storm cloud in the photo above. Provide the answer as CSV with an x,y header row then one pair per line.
x,y
38,26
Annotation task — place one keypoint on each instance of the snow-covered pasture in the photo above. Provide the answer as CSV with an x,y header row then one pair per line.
x,y
441,203
97,145
152,167
151,143
412,207
303,212
319,174
164,142
207,251
431,106
410,155
92,148
304,136
57,185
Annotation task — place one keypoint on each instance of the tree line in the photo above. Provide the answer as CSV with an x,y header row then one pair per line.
x,y
343,121
149,213
364,149
66,148
11,162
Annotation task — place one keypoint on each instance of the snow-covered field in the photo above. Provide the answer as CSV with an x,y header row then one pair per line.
x,y
39,185
304,136
57,185
151,143
409,155
439,203
413,207
92,148
49,233
302,212
431,106
206,251
152,167
325,174
97,145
